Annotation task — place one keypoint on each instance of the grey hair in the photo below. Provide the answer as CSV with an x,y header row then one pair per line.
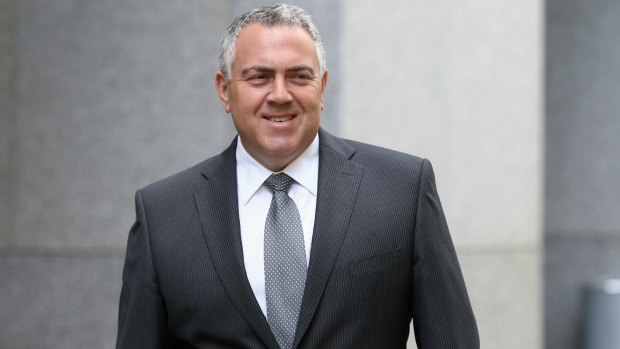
x,y
273,15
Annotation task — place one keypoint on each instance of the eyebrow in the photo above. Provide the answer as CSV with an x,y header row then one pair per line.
x,y
298,68
264,69
256,68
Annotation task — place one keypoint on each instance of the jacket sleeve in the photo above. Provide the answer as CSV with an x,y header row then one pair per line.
x,y
442,314
142,321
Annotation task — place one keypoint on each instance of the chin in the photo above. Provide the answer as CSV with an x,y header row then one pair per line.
x,y
282,152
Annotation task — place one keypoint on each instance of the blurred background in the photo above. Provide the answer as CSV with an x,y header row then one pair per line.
x,y
515,102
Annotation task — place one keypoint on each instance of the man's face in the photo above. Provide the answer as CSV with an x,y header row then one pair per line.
x,y
275,93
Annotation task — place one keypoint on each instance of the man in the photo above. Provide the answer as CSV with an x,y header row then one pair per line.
x,y
291,238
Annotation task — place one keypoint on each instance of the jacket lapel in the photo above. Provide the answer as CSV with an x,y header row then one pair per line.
x,y
339,180
216,202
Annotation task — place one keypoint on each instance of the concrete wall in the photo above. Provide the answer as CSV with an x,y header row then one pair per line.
x,y
107,97
102,97
582,196
460,83
7,114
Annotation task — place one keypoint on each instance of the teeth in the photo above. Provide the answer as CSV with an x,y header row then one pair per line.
x,y
282,118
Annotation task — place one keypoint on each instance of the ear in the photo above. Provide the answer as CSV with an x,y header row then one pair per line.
x,y
323,87
222,90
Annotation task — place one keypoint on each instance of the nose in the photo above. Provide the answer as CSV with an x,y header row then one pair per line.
x,y
279,93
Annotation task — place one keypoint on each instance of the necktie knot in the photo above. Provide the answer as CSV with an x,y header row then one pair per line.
x,y
279,182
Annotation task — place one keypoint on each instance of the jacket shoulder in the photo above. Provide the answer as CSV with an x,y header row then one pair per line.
x,y
187,180
380,157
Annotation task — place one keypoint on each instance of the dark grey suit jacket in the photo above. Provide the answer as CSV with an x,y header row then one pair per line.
x,y
381,256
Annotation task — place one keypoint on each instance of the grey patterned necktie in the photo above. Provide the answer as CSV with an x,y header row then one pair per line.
x,y
285,261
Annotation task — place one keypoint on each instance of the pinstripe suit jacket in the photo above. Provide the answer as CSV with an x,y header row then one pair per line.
x,y
381,256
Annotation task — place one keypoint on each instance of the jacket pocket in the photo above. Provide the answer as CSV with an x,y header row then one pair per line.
x,y
375,263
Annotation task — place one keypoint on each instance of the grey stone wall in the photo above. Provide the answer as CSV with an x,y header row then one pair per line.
x,y
110,95
582,196
7,116
103,97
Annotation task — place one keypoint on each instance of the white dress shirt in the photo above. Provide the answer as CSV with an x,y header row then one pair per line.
x,y
255,199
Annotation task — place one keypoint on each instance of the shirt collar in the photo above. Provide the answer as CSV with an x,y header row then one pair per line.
x,y
251,174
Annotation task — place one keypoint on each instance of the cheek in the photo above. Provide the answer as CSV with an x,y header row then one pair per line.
x,y
314,105
311,100
246,101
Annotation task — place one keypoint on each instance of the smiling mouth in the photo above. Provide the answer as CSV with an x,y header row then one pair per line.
x,y
279,118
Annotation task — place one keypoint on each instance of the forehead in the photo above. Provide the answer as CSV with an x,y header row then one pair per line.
x,y
274,45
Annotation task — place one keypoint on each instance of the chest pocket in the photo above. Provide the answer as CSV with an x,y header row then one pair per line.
x,y
375,263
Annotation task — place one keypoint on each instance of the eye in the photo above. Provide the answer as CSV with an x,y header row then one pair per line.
x,y
257,79
301,77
